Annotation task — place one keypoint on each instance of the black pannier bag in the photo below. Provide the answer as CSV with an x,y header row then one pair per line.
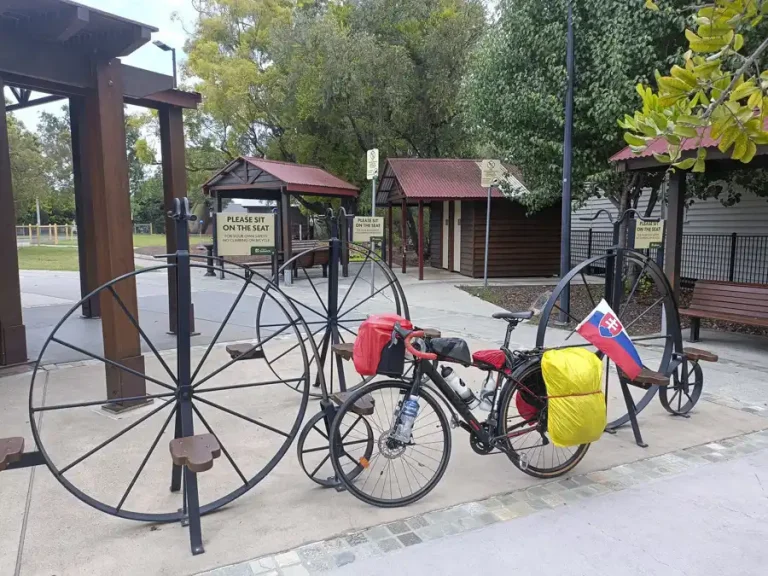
x,y
451,350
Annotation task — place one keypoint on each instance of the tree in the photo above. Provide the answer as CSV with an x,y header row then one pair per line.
x,y
27,170
720,89
516,90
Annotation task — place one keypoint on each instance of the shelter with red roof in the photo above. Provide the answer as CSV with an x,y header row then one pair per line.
x,y
520,244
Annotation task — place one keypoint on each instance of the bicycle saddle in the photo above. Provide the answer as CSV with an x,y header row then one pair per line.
x,y
527,315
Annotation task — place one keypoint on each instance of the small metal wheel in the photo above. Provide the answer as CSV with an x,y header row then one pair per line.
x,y
648,312
112,452
333,313
682,395
315,453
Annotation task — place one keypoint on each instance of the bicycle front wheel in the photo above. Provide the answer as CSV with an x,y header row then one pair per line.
x,y
395,474
523,420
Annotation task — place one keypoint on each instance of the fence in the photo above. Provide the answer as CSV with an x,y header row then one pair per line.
x,y
726,257
62,235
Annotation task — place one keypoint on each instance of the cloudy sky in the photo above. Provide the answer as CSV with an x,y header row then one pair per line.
x,y
157,13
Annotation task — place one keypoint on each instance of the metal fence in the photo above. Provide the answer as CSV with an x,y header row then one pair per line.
x,y
725,257
62,234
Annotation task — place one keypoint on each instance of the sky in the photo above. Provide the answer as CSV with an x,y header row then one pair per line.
x,y
155,13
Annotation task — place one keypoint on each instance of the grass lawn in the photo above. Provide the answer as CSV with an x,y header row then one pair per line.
x,y
48,258
148,240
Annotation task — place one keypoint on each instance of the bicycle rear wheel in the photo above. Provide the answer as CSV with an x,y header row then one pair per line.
x,y
523,419
395,474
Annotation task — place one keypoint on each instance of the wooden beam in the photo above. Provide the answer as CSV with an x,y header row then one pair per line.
x,y
390,231
77,19
673,244
35,102
86,224
108,178
403,229
174,186
13,339
421,240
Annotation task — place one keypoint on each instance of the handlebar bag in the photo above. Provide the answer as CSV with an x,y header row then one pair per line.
x,y
374,352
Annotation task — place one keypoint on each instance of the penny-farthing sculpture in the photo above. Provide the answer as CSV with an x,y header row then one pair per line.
x,y
337,284
237,405
638,291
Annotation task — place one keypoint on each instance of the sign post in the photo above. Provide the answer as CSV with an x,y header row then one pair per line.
x,y
372,171
491,173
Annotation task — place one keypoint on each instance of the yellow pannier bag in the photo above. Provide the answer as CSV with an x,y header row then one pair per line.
x,y
576,413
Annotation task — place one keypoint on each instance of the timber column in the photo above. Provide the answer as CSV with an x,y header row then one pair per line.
x,y
108,180
13,337
673,243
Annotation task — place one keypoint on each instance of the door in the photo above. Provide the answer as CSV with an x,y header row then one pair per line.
x,y
457,236
444,244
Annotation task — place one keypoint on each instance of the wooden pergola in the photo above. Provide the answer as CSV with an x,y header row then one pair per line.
x,y
275,181
626,161
71,52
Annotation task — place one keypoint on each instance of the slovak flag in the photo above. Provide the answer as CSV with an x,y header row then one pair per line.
x,y
604,330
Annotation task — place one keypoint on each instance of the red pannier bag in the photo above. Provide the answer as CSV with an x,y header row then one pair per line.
x,y
374,352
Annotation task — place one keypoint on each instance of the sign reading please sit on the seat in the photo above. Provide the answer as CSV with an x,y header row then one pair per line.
x,y
366,227
245,234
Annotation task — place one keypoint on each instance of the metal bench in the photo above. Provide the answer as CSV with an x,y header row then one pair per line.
x,y
729,302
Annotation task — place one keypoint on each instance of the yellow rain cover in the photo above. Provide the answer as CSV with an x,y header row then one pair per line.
x,y
576,412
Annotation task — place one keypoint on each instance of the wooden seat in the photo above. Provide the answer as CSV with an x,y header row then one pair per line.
x,y
244,352
195,452
729,302
648,378
363,407
344,350
697,355
11,450
319,257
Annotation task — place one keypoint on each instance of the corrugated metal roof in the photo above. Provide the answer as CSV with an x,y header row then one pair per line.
x,y
304,178
659,146
439,179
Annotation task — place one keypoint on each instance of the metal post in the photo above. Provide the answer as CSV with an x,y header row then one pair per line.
x,y
487,236
565,230
373,213
732,261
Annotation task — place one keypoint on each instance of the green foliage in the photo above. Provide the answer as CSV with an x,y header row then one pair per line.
x,y
516,90
27,169
720,89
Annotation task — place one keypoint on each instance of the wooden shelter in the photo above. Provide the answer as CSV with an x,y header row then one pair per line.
x,y
625,160
520,244
70,52
272,180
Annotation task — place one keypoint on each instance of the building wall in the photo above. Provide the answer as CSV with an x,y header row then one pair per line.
x,y
435,234
467,224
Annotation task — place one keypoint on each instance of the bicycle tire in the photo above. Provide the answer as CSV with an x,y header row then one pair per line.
x,y
353,484
529,375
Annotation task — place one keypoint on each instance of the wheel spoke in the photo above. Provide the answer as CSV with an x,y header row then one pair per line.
x,y
347,329
302,340
586,285
632,292
221,444
244,417
102,402
566,313
627,326
365,300
146,459
221,328
113,438
259,344
300,303
357,275
315,290
249,385
112,363
133,320
317,468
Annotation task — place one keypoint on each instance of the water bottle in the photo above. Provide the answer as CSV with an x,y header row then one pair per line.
x,y
458,386
486,396
408,415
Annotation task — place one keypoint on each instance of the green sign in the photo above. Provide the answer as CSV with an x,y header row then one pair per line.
x,y
262,251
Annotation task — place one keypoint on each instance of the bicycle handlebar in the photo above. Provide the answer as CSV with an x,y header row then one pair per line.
x,y
407,337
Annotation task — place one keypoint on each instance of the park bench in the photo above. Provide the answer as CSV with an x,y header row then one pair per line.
x,y
729,302
312,259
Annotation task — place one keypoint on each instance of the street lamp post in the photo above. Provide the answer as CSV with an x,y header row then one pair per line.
x,y
565,230
165,48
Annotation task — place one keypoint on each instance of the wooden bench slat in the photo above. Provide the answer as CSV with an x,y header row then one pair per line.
x,y
733,287
729,302
344,350
195,452
754,299
11,450
735,318
244,352
730,308
651,378
363,407
698,355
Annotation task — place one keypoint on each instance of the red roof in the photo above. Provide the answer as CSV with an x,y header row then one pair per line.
x,y
659,146
304,178
439,178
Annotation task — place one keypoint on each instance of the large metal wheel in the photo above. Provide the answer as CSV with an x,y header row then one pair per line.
x,y
334,318
119,468
647,310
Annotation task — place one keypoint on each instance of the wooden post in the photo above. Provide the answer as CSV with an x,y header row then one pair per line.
x,y
13,339
390,231
56,234
421,240
285,213
107,174
404,229
84,218
673,244
174,186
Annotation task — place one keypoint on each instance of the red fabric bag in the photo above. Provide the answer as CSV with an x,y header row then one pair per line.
x,y
373,337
